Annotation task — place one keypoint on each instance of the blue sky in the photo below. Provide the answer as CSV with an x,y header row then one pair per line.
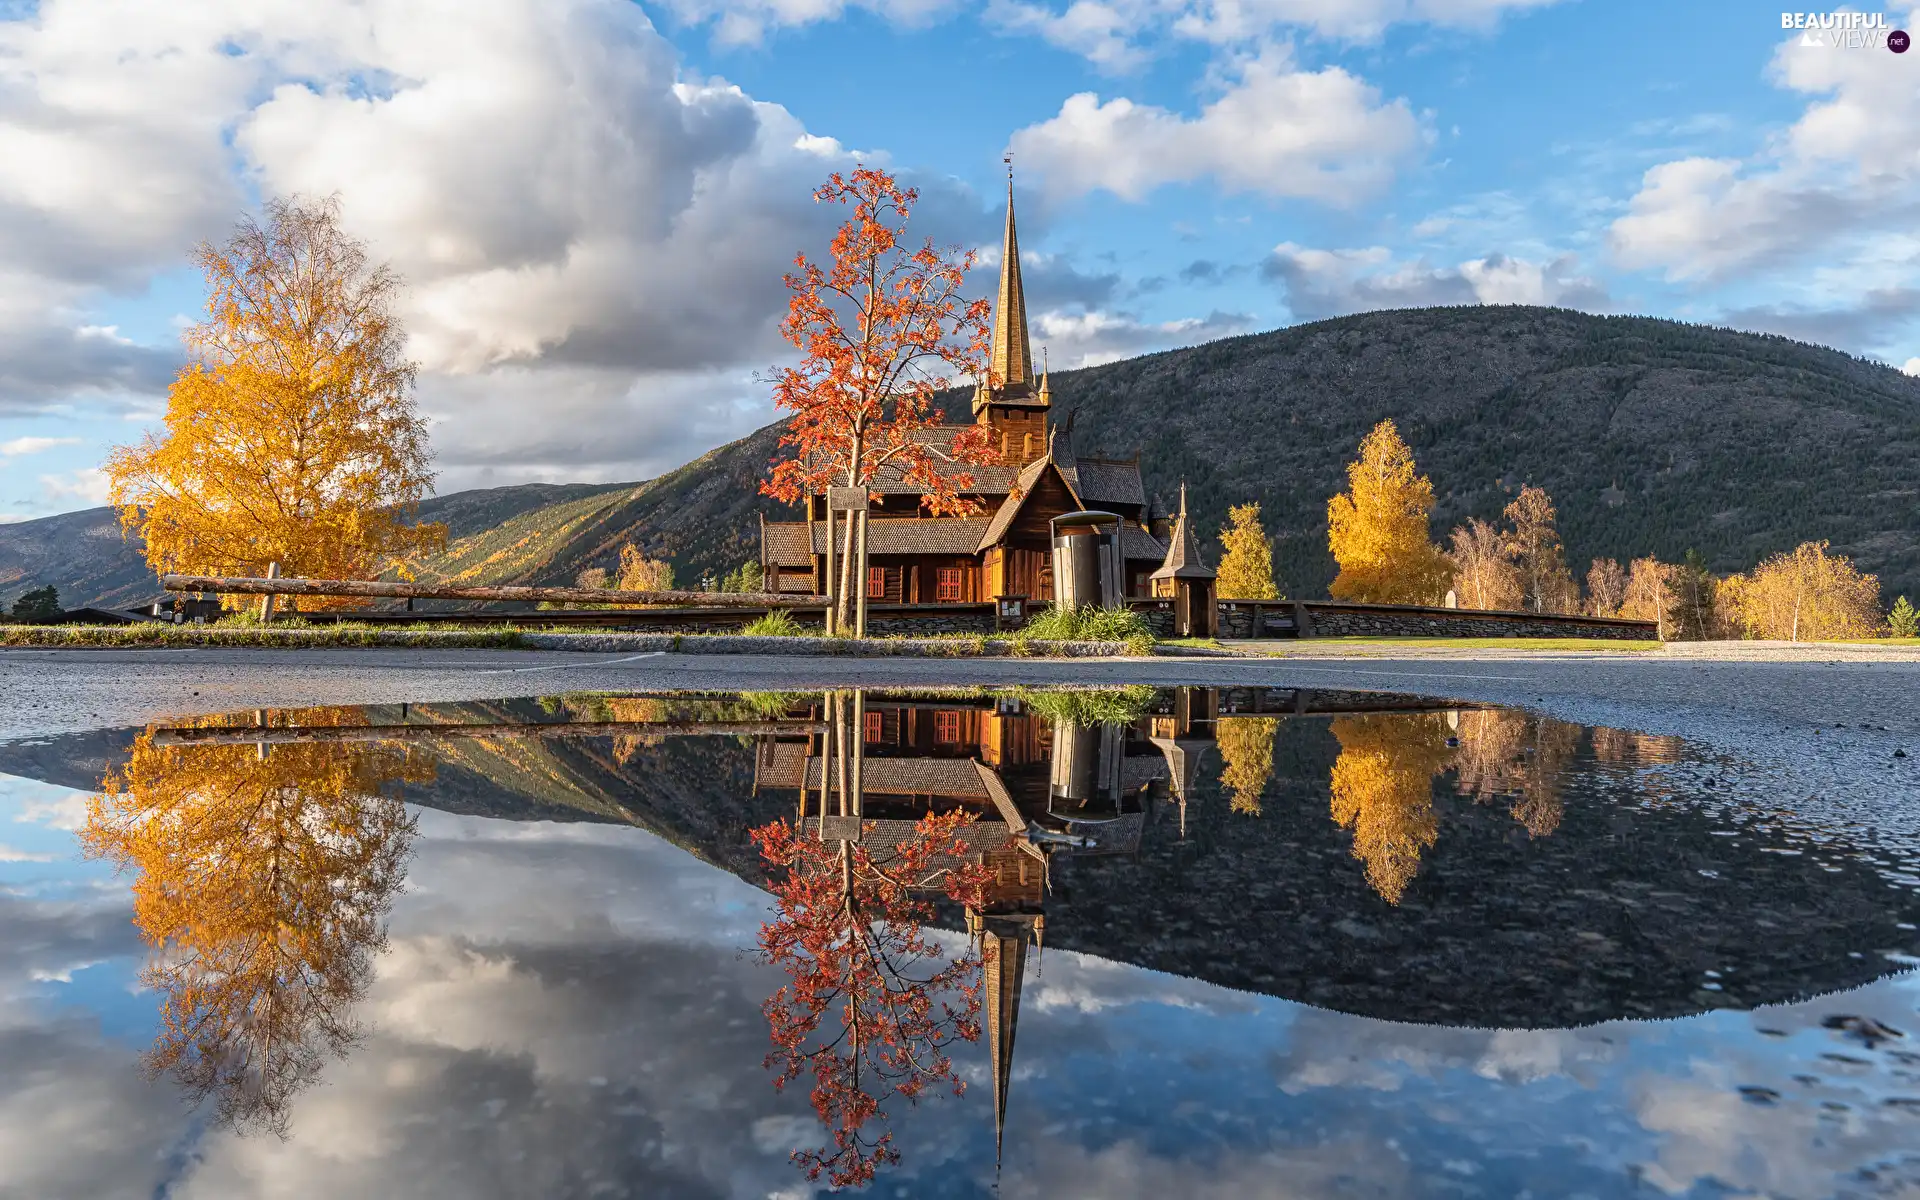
x,y
592,201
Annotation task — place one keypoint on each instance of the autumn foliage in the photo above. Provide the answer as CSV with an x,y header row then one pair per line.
x,y
1382,788
872,1003
262,879
1377,529
292,437
1246,566
1246,755
882,330
1807,594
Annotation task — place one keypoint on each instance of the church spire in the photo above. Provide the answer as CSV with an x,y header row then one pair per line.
x,y
1003,941
1012,354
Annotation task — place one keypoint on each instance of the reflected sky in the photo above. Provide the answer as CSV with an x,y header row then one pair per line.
x,y
568,1007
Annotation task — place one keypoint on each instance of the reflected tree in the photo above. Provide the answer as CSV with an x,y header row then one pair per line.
x,y
872,1004
1512,754
1246,751
1383,792
262,878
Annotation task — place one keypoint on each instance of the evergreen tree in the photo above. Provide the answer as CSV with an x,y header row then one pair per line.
x,y
1903,621
40,604
1246,569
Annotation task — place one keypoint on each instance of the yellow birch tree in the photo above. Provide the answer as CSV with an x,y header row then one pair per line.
x,y
1246,568
1246,751
1806,595
1377,529
1545,582
292,437
261,878
1383,791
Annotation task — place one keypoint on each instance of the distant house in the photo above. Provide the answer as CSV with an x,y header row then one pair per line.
x,y
1006,549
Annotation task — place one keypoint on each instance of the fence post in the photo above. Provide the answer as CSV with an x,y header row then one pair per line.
x,y
266,601
860,621
828,590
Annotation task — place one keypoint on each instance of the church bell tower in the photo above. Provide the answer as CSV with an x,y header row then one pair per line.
x,y
1011,401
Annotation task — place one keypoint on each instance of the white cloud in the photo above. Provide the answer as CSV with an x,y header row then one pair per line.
x,y
746,22
558,194
1276,130
1911,366
9,854
1089,338
1331,283
33,445
88,484
1829,188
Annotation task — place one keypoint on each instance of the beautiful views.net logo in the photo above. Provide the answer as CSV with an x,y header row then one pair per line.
x,y
1846,30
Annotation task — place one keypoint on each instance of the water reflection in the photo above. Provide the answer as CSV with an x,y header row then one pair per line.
x,y
262,876
1415,860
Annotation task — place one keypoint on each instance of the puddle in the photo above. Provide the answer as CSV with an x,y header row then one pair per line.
x,y
1232,941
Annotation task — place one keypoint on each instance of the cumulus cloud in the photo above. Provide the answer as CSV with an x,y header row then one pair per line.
x,y
87,484
33,445
1275,129
1830,188
1911,367
558,193
1091,337
1331,283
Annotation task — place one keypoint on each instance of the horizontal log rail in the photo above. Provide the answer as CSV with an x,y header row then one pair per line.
x,y
300,735
250,586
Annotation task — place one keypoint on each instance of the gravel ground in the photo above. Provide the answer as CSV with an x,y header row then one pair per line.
x,y
1824,731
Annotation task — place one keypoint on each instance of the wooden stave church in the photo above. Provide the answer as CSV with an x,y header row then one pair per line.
x,y
916,558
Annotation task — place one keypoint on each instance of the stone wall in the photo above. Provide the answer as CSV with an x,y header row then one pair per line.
x,y
1258,618
1328,619
1158,612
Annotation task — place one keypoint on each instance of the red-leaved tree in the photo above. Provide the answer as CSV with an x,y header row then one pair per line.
x,y
882,330
872,1004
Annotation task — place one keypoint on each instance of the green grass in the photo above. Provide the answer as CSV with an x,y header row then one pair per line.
x,y
1087,706
1089,624
288,637
778,623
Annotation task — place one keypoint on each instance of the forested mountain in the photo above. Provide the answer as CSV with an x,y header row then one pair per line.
x,y
1654,437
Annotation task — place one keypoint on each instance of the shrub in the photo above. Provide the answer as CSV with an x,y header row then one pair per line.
x,y
1089,624
1089,706
778,623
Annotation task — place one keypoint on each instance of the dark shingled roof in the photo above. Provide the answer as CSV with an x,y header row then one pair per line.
x,y
786,542
1138,545
1183,556
881,776
1100,481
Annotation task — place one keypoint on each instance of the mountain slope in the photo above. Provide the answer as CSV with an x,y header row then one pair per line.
x,y
83,554
1654,437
